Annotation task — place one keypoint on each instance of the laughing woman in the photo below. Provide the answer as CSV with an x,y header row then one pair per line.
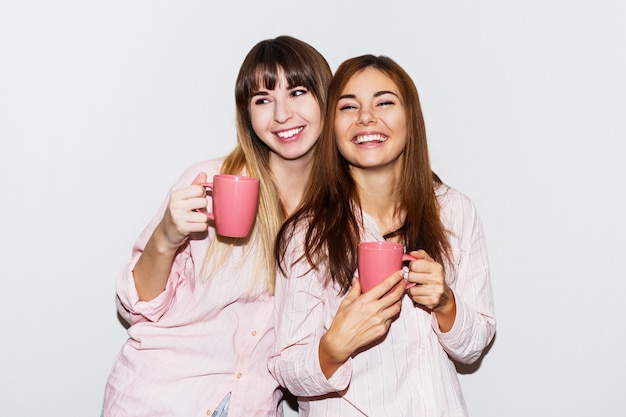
x,y
389,351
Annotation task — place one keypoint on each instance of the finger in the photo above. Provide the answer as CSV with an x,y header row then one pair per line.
x,y
425,274
425,266
195,189
186,221
197,216
200,178
179,207
415,280
417,291
194,227
420,266
396,292
420,258
394,310
391,303
419,254
191,191
424,255
427,295
386,285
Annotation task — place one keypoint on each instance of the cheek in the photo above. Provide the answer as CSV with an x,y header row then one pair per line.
x,y
343,146
341,129
315,118
258,119
341,150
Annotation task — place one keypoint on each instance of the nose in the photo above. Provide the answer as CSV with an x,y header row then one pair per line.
x,y
282,111
366,117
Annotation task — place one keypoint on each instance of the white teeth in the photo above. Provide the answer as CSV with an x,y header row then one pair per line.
x,y
369,138
289,133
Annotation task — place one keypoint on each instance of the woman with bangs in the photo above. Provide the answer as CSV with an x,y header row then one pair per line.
x,y
200,306
391,350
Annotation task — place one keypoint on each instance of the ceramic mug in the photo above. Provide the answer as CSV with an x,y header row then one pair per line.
x,y
235,202
377,260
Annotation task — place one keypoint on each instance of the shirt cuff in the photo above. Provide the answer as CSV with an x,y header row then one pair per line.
x,y
453,341
137,310
339,381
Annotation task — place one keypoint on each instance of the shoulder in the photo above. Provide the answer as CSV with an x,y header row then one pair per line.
x,y
455,206
449,196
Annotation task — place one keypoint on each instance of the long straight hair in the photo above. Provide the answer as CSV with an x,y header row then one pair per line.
x,y
263,67
331,209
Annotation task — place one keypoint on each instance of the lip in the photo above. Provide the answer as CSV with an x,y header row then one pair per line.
x,y
290,134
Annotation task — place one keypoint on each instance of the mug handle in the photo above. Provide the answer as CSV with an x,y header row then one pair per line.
x,y
204,211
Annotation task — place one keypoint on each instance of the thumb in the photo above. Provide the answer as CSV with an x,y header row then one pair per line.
x,y
200,178
419,254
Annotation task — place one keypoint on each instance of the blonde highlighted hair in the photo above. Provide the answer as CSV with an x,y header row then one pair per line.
x,y
262,68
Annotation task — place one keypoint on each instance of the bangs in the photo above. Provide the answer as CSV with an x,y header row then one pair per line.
x,y
268,77
273,61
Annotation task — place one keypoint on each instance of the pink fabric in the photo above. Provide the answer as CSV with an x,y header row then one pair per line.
x,y
410,373
196,341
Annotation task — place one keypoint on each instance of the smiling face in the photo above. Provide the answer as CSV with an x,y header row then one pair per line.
x,y
288,119
370,121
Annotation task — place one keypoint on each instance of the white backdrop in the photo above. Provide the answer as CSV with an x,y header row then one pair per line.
x,y
103,104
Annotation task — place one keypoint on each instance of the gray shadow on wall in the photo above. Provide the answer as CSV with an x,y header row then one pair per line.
x,y
465,368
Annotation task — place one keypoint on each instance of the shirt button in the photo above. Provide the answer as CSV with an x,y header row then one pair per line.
x,y
253,332
239,376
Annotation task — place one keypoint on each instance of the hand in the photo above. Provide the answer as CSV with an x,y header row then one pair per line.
x,y
181,218
360,320
431,290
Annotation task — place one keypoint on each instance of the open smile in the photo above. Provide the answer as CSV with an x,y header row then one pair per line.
x,y
290,134
372,138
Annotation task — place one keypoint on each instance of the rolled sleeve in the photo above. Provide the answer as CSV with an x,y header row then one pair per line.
x,y
469,278
469,335
134,310
182,272
304,309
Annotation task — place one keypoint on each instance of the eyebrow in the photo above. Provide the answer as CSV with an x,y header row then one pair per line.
x,y
265,92
376,94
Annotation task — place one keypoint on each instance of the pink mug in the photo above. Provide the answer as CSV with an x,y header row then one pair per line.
x,y
378,260
235,202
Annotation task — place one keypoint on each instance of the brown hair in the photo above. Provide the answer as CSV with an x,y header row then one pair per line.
x,y
331,208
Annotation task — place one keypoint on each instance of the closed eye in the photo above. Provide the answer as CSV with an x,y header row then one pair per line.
x,y
347,103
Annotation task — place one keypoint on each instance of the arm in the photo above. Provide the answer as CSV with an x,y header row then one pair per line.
x,y
175,273
317,332
469,280
153,267
360,320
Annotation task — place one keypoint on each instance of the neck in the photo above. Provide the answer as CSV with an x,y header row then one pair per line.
x,y
291,178
379,196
